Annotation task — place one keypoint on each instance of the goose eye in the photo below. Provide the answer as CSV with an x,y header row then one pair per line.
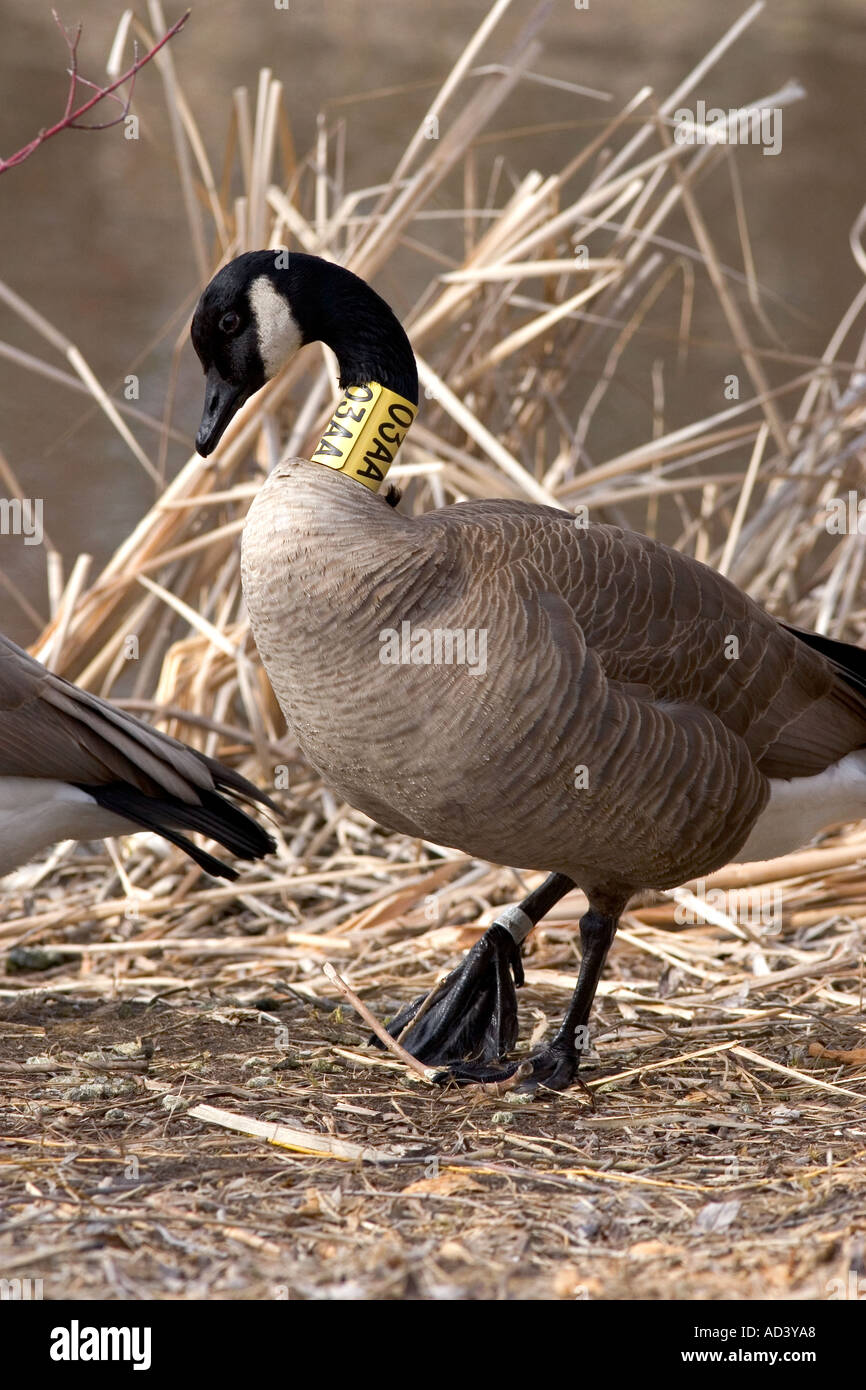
x,y
230,322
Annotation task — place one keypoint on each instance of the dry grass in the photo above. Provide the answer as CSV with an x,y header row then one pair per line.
x,y
714,1153
191,1113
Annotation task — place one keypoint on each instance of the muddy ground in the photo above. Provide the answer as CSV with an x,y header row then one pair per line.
x,y
691,1177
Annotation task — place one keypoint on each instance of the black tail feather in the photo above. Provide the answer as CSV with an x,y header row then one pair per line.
x,y
849,661
212,815
228,779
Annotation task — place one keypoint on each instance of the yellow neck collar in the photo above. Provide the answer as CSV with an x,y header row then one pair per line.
x,y
365,432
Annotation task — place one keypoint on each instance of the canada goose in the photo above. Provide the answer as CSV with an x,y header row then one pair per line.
x,y
74,767
637,720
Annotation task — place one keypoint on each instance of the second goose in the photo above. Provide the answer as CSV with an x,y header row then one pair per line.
x,y
494,677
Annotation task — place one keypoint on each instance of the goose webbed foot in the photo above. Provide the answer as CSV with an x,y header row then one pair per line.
x,y
554,1068
473,1013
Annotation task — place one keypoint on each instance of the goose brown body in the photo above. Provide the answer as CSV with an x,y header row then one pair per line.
x,y
634,703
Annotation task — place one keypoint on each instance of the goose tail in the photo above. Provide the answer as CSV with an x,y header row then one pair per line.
x,y
848,661
213,815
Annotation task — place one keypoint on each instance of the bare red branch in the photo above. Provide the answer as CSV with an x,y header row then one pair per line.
x,y
71,118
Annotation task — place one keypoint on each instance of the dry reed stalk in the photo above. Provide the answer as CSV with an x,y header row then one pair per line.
x,y
305,1141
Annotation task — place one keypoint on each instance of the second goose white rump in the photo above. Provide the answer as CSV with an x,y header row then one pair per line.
x,y
799,808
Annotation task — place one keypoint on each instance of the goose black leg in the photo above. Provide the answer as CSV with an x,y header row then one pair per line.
x,y
555,1066
472,1015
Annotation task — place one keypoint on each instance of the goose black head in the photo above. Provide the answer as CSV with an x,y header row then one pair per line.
x,y
243,330
261,307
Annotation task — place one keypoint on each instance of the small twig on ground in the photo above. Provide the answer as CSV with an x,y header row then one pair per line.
x,y
508,1083
426,1073
425,1007
853,1055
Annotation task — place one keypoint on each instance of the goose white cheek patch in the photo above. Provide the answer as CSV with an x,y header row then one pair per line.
x,y
277,331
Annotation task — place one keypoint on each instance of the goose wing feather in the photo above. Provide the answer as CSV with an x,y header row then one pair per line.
x,y
51,728
664,622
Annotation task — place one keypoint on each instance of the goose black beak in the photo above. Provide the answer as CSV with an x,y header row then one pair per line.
x,y
222,400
